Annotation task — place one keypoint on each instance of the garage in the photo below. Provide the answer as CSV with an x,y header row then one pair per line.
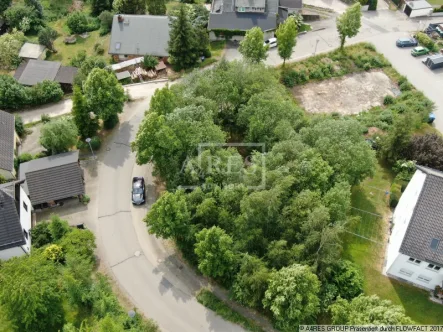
x,y
418,8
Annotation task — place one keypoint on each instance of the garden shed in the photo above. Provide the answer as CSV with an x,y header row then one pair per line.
x,y
418,8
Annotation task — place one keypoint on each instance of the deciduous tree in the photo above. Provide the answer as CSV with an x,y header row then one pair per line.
x,y
4,4
30,294
46,37
130,6
98,6
13,95
10,45
368,310
58,136
105,95
286,35
182,46
156,7
349,23
214,251
252,48
292,296
426,150
85,120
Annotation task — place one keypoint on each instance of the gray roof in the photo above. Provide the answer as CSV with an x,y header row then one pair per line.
x,y
31,51
140,35
250,3
426,222
65,75
11,233
291,3
242,21
419,4
52,178
7,141
36,71
436,58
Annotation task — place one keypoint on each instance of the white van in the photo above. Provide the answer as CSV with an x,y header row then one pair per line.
x,y
272,42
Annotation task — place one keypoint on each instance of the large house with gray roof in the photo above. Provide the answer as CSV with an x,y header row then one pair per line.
x,y
15,221
242,15
9,141
138,35
51,180
415,249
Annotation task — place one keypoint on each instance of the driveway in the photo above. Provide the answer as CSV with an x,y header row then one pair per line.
x,y
144,266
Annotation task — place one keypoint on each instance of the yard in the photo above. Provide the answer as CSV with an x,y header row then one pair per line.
x,y
436,2
369,196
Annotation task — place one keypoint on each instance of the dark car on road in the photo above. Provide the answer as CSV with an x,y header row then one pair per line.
x,y
406,42
138,190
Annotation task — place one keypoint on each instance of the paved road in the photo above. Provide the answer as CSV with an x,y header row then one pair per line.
x,y
145,267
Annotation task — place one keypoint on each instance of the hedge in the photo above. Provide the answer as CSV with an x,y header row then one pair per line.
x,y
228,34
425,40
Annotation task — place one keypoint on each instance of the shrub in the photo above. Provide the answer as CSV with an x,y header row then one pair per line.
x,y
386,116
45,118
13,95
98,49
395,194
77,22
19,126
24,157
2,179
149,61
367,66
105,18
82,145
388,100
54,253
85,199
111,122
45,92
41,235
78,59
405,86
96,143
425,40
370,47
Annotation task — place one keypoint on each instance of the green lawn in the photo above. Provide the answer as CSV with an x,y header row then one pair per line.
x,y
369,256
436,2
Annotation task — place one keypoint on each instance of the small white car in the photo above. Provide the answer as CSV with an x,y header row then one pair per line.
x,y
272,42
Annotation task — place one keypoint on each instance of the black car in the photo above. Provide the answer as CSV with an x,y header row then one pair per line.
x,y
138,190
406,42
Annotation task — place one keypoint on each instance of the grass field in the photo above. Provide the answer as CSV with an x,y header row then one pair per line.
x,y
369,256
436,2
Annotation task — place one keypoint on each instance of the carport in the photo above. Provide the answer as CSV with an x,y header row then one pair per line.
x,y
418,8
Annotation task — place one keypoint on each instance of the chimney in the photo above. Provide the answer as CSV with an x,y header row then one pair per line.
x,y
120,18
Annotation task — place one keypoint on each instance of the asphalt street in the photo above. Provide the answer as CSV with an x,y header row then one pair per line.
x,y
145,267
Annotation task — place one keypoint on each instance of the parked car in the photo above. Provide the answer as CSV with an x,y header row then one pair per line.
x,y
272,42
433,61
419,50
138,190
406,42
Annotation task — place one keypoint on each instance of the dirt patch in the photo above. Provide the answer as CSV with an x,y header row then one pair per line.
x,y
351,94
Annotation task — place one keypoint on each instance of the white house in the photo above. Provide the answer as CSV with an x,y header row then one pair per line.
x,y
415,249
15,221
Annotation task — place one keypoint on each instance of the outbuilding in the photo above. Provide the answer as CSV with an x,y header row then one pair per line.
x,y
418,8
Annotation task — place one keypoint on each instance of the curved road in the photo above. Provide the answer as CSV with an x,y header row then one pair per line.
x,y
144,266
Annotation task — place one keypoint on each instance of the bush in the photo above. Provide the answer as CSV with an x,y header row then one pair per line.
x,y
41,235
425,40
387,116
24,157
96,143
82,145
19,126
395,194
13,95
78,59
2,179
105,18
149,61
85,199
45,92
405,86
45,118
111,122
388,100
54,253
367,66
77,22
98,49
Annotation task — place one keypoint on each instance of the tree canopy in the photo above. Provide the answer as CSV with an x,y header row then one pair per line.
x,y
349,23
58,136
129,6
156,7
252,48
286,34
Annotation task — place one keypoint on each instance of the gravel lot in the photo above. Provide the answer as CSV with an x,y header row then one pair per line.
x,y
351,94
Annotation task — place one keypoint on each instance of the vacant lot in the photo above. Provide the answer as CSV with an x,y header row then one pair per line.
x,y
350,94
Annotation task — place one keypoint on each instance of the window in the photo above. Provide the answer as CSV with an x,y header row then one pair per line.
x,y
25,206
406,272
424,278
25,233
434,244
434,267
414,261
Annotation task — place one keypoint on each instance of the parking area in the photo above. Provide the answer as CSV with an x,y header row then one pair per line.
x,y
427,80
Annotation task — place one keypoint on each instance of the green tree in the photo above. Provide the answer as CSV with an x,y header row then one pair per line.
x,y
395,144
77,279
20,16
252,48
98,6
292,296
106,18
130,6
4,4
214,251
54,253
58,136
79,242
10,45
13,95
35,4
163,102
30,295
77,22
368,310
85,120
182,45
86,64
41,235
46,37
426,150
286,35
105,95
169,216
58,228
149,61
45,92
349,23
156,7
251,281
